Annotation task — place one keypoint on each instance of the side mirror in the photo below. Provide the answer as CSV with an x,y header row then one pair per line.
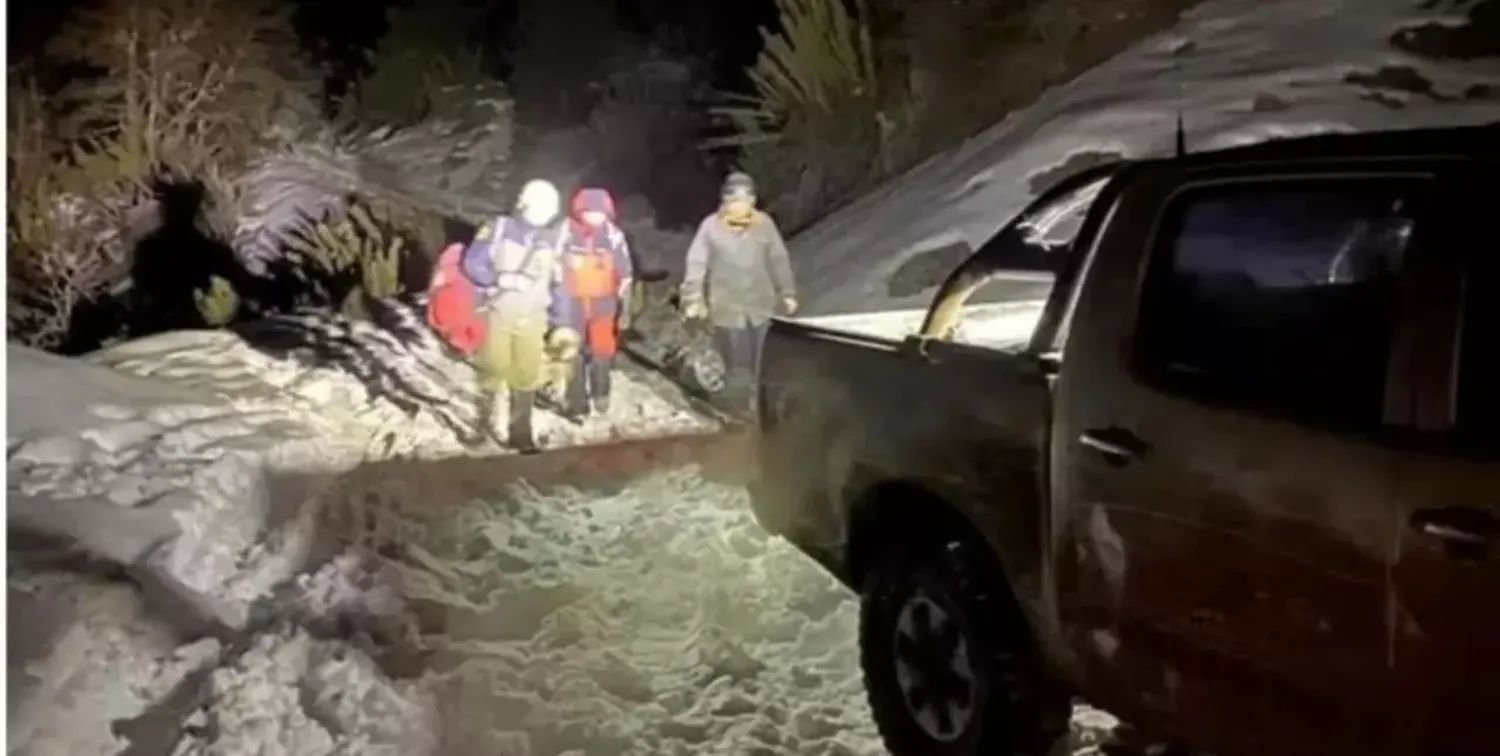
x,y
1050,361
918,345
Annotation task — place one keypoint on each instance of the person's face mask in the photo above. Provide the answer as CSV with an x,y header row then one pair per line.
x,y
593,218
739,205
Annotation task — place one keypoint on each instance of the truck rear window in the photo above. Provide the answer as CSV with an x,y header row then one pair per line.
x,y
1280,294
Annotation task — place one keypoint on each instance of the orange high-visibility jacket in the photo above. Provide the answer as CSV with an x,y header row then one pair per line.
x,y
595,263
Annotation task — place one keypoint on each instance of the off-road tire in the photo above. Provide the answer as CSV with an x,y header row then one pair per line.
x,y
1015,710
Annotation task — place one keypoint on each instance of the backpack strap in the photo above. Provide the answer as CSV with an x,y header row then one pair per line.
x,y
524,269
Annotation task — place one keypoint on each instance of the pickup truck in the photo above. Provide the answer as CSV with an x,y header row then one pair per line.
x,y
1232,473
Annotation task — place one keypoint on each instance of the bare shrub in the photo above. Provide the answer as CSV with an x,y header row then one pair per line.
x,y
180,80
64,221
171,88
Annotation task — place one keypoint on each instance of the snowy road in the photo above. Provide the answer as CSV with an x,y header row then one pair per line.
x,y
656,619
653,617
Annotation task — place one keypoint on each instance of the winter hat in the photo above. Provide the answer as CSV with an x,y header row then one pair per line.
x,y
737,184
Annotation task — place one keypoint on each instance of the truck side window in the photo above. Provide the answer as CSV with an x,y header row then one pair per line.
x,y
1479,364
1278,296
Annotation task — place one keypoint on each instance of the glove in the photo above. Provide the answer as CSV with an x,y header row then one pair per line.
x,y
564,341
693,309
622,323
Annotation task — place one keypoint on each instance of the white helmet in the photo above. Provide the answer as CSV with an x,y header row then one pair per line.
x,y
539,202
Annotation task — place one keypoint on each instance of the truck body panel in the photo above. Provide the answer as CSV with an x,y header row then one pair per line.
x,y
1224,466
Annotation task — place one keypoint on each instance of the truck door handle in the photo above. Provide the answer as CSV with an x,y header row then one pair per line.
x,y
1117,445
1466,530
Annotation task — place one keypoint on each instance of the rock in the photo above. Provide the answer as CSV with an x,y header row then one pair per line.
x,y
682,350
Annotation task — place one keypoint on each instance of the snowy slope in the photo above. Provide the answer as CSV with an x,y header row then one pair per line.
x,y
1239,71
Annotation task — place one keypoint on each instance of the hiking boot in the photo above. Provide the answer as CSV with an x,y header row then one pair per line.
x,y
729,400
483,428
575,410
518,433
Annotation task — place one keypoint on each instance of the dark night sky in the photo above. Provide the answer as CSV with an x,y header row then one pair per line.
x,y
725,32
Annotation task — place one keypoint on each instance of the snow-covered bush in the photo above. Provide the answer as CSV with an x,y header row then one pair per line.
x,y
179,80
307,208
813,129
63,250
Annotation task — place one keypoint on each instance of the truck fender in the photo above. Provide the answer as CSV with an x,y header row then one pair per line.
x,y
888,512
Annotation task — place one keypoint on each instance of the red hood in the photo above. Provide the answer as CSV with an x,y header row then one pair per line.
x,y
588,199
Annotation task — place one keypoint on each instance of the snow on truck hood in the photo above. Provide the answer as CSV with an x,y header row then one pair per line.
x,y
1001,325
1239,71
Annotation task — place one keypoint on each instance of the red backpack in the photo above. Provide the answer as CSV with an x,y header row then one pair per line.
x,y
453,304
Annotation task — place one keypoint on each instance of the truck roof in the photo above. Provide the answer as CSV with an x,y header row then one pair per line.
x,y
1448,141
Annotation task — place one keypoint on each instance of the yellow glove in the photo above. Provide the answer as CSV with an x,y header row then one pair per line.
x,y
693,309
564,341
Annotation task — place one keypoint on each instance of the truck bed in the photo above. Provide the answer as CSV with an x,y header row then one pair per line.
x,y
845,404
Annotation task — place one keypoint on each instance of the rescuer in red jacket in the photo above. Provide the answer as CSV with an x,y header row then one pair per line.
x,y
592,297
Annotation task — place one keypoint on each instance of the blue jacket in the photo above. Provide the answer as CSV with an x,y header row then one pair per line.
x,y
513,264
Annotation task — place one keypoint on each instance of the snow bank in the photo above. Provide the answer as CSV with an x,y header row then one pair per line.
x,y
206,464
170,462
140,473
92,672
1238,70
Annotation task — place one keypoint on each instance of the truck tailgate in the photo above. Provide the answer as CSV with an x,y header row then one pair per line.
x,y
840,409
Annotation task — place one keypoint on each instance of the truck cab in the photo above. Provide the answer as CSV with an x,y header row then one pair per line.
x,y
1249,492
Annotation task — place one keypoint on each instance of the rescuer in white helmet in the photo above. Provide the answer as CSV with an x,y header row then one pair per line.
x,y
513,263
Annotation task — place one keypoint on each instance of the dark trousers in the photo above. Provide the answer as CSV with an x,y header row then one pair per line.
x,y
590,380
740,349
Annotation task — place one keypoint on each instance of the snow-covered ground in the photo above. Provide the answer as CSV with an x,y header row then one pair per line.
x,y
649,618
1238,71
209,468
655,619
312,565
658,619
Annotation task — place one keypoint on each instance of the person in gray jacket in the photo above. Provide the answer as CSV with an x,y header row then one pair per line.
x,y
738,275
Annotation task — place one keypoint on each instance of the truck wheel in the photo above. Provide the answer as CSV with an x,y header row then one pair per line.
x,y
949,666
